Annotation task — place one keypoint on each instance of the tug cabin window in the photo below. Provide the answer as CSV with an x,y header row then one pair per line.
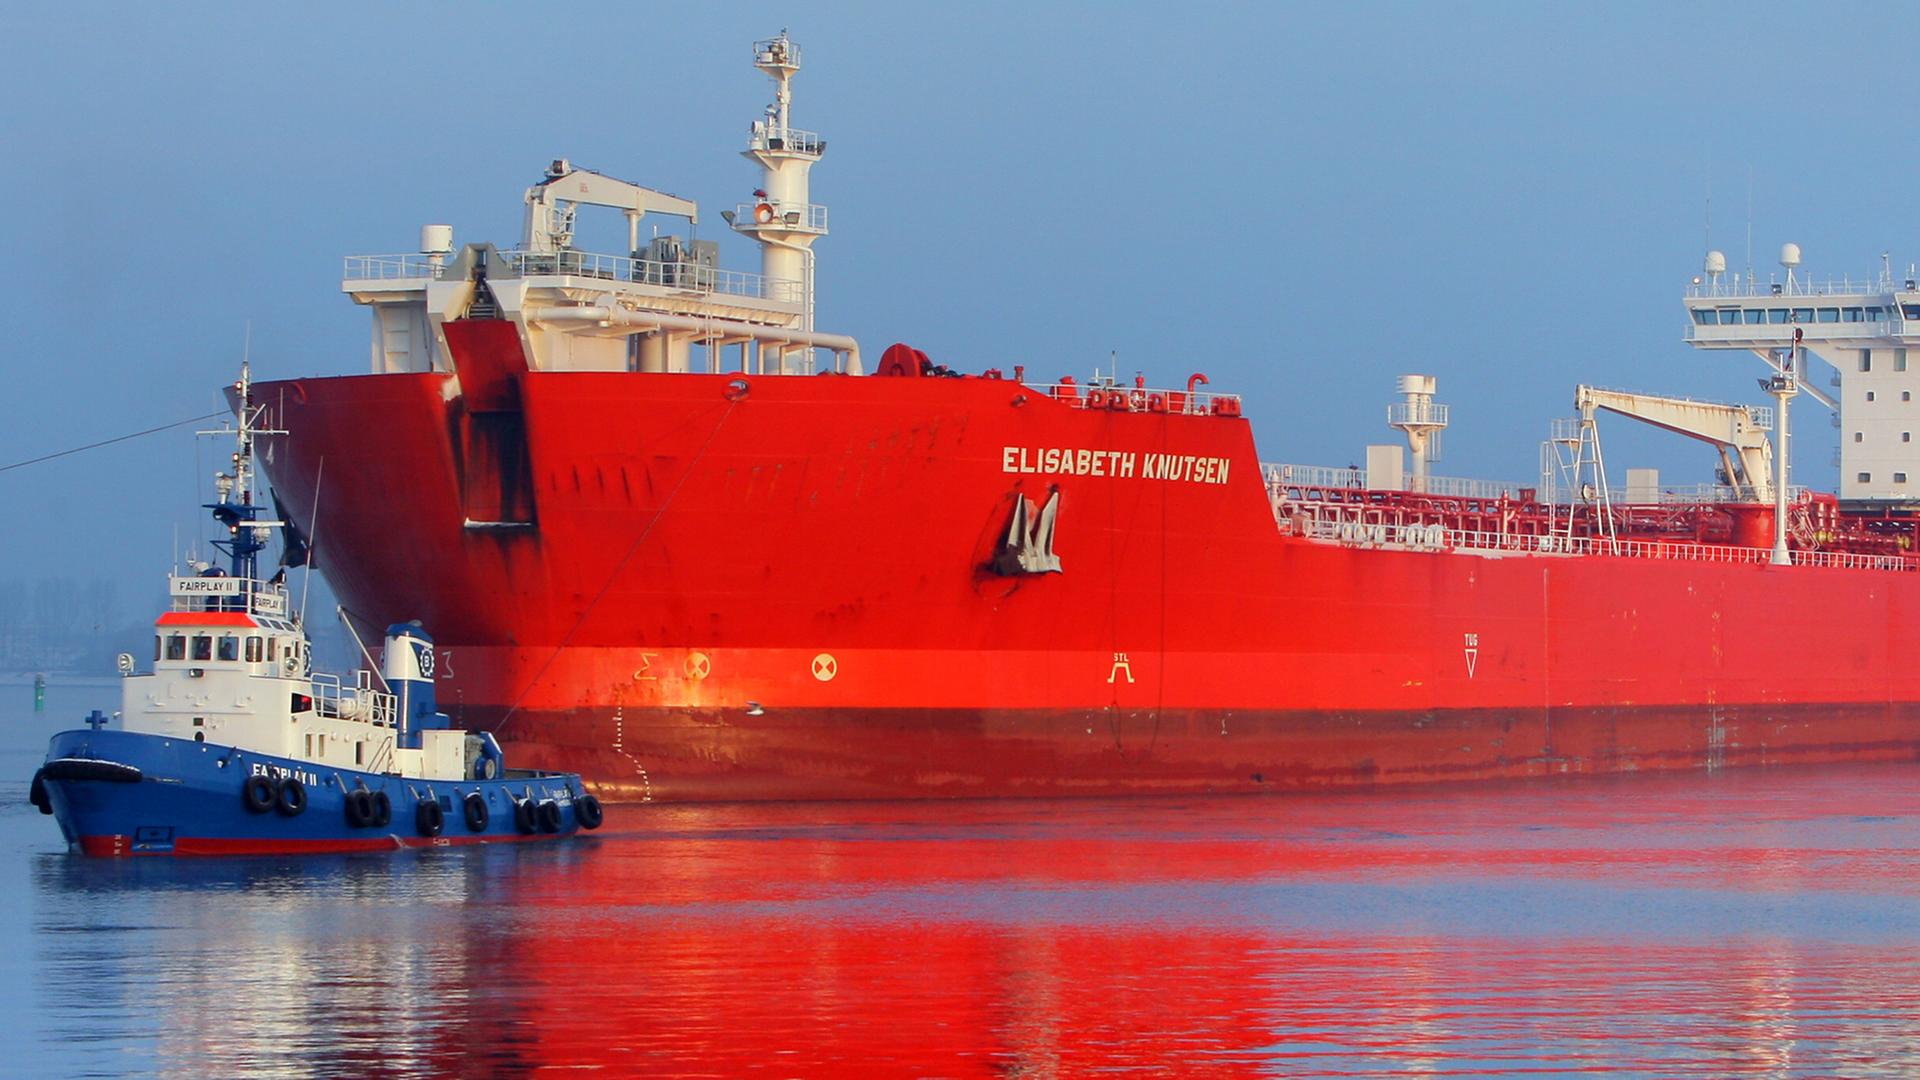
x,y
176,646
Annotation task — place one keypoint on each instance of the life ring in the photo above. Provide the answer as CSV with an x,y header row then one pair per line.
x,y
382,811
1096,399
359,807
292,799
588,812
1157,403
474,807
259,794
1137,401
428,818
523,822
763,213
547,816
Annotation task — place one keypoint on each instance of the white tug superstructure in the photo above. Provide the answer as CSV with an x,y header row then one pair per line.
x,y
231,744
232,663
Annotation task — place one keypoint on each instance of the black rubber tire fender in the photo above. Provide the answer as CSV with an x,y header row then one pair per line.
x,y
382,810
547,815
428,818
359,803
474,806
37,792
259,793
292,798
588,812
523,821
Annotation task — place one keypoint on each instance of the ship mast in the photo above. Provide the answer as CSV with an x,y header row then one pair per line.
x,y
1784,384
781,219
247,534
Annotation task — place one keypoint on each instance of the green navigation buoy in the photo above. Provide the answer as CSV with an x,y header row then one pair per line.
x,y
39,693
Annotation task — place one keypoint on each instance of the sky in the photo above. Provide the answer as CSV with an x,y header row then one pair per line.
x,y
1301,201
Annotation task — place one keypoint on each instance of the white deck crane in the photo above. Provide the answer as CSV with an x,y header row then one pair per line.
x,y
1738,432
551,203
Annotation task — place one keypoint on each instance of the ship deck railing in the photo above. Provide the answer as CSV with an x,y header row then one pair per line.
x,y
361,701
1753,288
1415,535
688,275
195,594
1119,398
1296,483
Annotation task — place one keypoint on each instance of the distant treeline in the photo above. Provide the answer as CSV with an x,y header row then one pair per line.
x,y
64,624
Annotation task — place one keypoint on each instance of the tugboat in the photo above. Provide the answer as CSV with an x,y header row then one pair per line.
x,y
231,744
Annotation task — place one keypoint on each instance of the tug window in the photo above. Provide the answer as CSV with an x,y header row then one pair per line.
x,y
156,646
273,649
229,647
203,646
254,650
176,646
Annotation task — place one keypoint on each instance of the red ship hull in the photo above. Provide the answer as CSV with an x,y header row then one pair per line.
x,y
697,587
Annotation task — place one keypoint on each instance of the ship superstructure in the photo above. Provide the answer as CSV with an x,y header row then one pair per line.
x,y
668,534
1862,328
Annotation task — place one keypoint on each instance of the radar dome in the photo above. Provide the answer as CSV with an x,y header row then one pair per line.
x,y
436,239
1716,262
1789,255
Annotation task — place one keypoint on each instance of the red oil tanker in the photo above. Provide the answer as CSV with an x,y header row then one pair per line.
x,y
671,536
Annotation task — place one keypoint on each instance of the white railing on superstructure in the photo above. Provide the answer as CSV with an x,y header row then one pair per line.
x,y
1877,285
193,593
690,276
361,701
809,216
794,139
1412,413
1434,537
1328,476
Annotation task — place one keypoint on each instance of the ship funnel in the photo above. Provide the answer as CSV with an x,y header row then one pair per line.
x,y
1421,420
408,669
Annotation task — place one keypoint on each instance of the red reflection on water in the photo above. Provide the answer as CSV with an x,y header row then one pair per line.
x,y
924,940
1762,924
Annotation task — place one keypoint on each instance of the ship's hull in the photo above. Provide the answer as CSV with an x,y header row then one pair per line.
x,y
695,587
118,793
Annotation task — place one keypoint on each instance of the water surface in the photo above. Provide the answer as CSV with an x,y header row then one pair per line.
x,y
1736,924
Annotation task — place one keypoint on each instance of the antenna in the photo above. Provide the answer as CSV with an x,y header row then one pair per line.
x,y
1749,224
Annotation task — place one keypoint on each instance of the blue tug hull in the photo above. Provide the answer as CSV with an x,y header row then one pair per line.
x,y
127,793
